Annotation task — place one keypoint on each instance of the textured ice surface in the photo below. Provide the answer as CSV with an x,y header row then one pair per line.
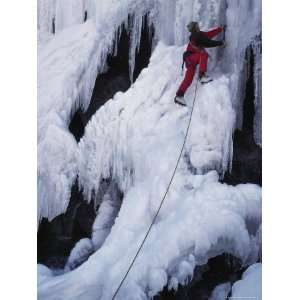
x,y
200,220
67,67
135,139
108,211
126,137
64,13
68,64
79,254
250,286
43,273
221,291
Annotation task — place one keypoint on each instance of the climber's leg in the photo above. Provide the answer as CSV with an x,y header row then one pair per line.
x,y
203,68
188,79
190,63
203,60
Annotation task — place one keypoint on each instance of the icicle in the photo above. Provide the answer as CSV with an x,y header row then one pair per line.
x,y
258,94
116,40
120,143
135,29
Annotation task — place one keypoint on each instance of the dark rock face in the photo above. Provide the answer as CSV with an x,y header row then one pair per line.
x,y
218,270
247,156
247,161
57,238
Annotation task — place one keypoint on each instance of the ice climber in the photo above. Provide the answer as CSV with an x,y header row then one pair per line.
x,y
194,55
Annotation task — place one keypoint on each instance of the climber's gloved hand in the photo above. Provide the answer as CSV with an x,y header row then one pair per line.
x,y
225,44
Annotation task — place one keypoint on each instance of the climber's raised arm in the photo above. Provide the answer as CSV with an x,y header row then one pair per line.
x,y
201,40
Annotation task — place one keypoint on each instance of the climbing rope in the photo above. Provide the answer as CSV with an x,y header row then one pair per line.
x,y
163,199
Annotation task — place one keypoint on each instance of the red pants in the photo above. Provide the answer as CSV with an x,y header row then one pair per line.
x,y
191,62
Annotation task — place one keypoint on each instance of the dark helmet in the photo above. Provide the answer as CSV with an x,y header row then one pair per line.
x,y
193,26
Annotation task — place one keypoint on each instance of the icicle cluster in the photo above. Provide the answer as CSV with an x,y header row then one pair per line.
x,y
67,68
112,15
243,20
134,141
90,49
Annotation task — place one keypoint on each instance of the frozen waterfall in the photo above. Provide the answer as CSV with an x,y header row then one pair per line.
x,y
135,139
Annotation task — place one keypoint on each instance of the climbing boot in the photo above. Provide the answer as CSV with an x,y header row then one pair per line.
x,y
205,79
180,100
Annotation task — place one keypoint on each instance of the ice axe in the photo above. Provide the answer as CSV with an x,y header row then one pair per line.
x,y
224,33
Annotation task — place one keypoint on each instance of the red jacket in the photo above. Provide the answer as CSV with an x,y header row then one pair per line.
x,y
202,37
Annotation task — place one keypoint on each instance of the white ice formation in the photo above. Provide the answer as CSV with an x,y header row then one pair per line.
x,y
221,292
79,254
135,139
250,286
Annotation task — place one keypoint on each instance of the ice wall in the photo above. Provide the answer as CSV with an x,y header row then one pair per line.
x,y
112,139
135,138
69,64
181,239
68,13
67,68
62,14
45,14
174,15
243,21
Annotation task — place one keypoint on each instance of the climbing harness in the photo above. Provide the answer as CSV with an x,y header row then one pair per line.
x,y
163,199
